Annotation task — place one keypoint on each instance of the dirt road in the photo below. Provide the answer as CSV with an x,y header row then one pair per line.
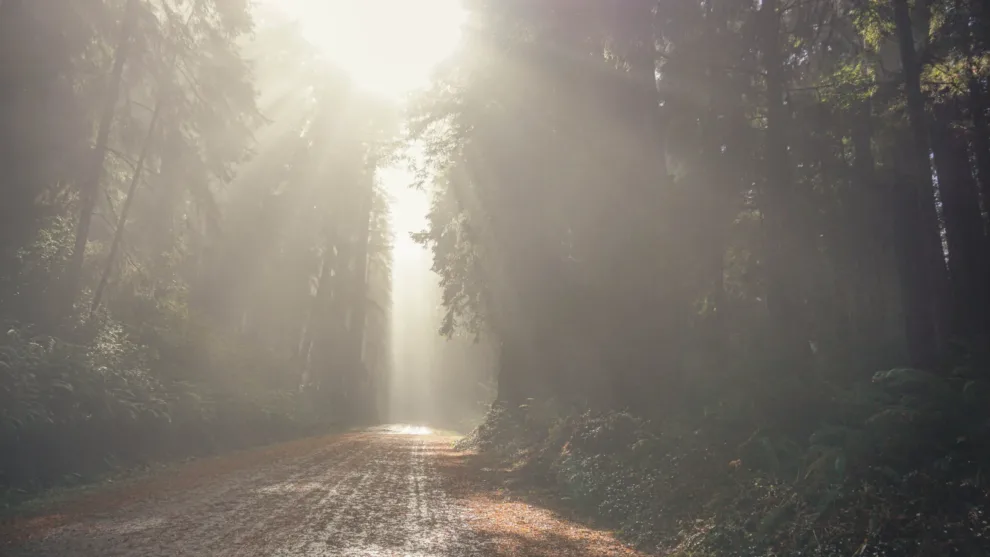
x,y
382,492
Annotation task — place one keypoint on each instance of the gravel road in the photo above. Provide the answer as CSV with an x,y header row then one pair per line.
x,y
388,491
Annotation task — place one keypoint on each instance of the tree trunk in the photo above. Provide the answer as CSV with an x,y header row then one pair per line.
x,y
785,231
978,107
89,186
359,301
963,226
868,238
118,234
921,246
640,314
314,319
17,195
981,134
167,196
513,360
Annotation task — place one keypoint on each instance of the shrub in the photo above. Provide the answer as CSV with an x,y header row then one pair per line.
x,y
895,467
70,411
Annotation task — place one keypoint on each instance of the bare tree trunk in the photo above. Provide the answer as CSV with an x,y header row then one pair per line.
x,y
359,301
868,240
925,280
981,130
787,250
978,106
90,185
963,225
118,234
314,317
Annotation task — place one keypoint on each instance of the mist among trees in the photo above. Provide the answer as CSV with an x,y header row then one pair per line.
x,y
722,261
195,248
717,236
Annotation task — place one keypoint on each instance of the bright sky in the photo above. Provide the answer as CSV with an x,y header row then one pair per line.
x,y
389,47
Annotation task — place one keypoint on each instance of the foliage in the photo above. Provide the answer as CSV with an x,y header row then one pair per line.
x,y
75,410
898,466
723,218
185,247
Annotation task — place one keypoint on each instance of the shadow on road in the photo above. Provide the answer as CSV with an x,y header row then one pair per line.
x,y
523,519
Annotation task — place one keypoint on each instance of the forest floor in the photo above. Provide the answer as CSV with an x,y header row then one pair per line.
x,y
378,492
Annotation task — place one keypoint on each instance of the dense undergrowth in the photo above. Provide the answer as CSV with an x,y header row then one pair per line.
x,y
896,467
116,399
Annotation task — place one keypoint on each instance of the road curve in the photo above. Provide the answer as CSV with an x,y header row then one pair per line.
x,y
382,492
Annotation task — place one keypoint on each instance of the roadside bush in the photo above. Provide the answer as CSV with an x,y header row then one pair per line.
x,y
71,411
896,468
508,429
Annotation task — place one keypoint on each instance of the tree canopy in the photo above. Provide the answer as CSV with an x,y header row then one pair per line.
x,y
635,195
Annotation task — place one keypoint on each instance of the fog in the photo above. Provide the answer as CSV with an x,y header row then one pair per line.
x,y
709,268
413,323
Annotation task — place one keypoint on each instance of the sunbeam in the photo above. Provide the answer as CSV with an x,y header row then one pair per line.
x,y
466,277
389,47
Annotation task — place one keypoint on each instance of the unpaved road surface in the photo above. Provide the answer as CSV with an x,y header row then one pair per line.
x,y
388,491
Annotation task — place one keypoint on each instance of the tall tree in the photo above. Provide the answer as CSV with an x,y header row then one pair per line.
x,y
89,185
924,272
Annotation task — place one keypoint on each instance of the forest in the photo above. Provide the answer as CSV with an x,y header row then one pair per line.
x,y
178,275
733,255
736,257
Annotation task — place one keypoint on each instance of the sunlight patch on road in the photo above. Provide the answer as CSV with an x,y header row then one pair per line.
x,y
405,429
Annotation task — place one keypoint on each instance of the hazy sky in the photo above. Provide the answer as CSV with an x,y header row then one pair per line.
x,y
388,46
